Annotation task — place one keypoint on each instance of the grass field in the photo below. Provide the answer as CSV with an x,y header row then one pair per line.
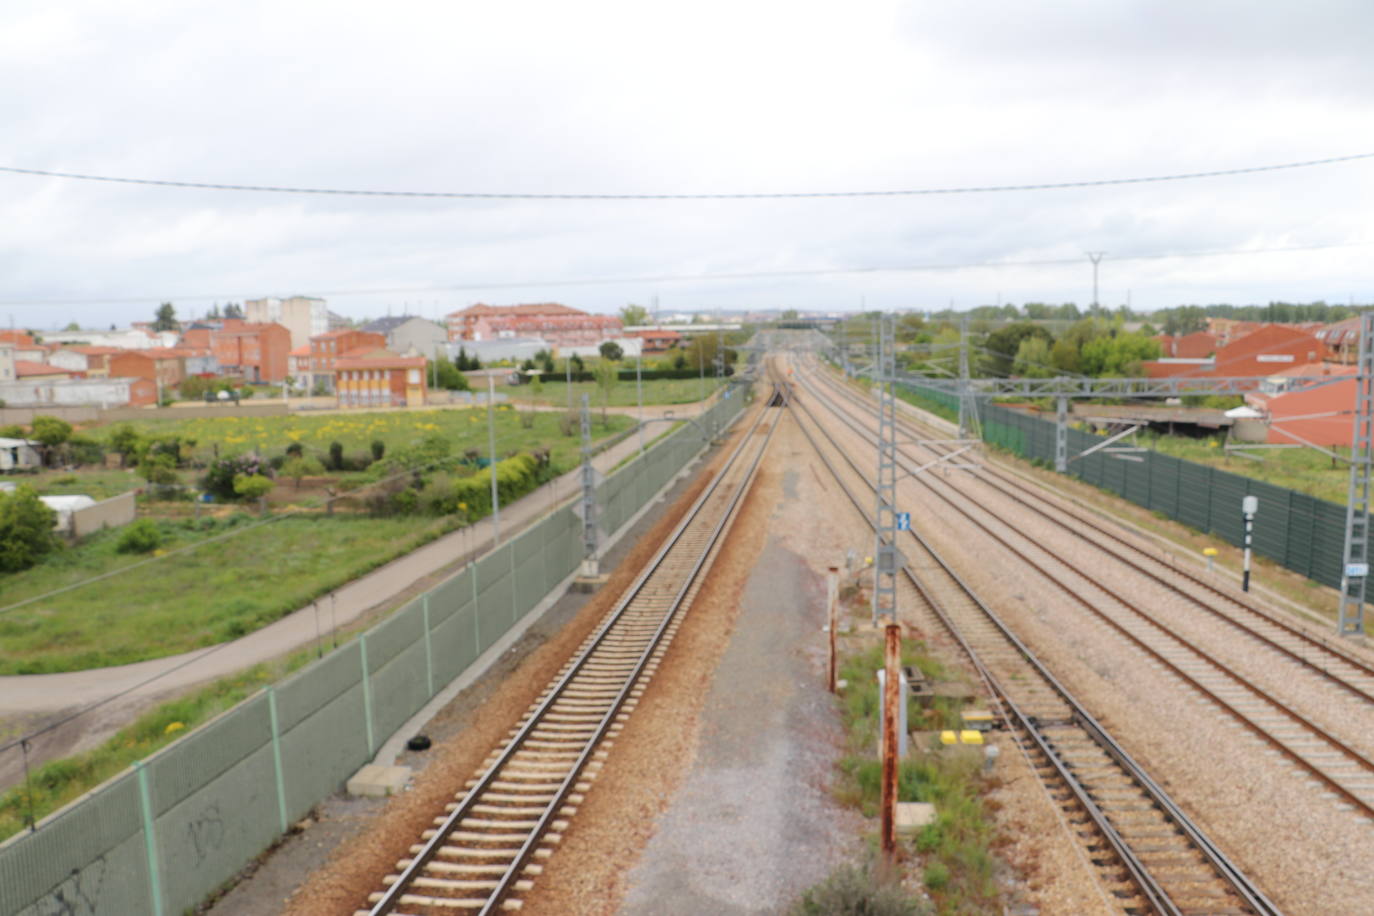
x,y
1303,469
356,430
656,391
205,596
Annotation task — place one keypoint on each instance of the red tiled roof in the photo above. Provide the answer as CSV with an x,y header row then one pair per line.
x,y
23,367
380,361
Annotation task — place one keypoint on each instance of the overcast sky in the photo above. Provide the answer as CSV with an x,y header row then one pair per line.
x,y
706,97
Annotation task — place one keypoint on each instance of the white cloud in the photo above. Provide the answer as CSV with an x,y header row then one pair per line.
x,y
708,97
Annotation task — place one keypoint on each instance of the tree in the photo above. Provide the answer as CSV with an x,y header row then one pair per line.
x,y
447,376
166,318
609,350
51,432
298,468
125,440
72,326
213,314
1002,346
26,529
159,469
606,375
233,310
634,315
1117,356
1033,359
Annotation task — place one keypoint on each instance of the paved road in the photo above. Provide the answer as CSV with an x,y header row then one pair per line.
x,y
28,695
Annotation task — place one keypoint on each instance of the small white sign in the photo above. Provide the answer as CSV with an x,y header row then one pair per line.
x,y
1356,570
1274,358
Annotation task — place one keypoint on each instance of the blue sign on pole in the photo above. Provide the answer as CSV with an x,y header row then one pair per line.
x,y
903,521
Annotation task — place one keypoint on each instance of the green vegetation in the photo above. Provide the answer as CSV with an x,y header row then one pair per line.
x,y
198,598
858,890
1303,469
956,847
622,393
26,530
60,781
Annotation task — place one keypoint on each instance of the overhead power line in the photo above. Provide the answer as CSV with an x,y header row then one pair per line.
x,y
680,278
785,195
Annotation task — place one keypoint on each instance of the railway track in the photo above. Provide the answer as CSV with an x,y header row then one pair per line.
x,y
1342,770
1150,856
486,848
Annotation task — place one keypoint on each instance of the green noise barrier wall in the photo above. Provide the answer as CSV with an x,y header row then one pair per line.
x,y
161,837
1301,532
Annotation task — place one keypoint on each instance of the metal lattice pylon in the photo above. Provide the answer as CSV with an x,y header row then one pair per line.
x,y
1354,572
885,555
968,404
590,545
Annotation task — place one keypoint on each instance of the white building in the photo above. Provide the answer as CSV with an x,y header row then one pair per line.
x,y
7,364
128,339
516,348
303,316
78,392
19,453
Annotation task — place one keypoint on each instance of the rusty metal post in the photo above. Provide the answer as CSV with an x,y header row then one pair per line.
x,y
832,588
891,697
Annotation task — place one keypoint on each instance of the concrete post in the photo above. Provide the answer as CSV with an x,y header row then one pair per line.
x,y
891,687
832,588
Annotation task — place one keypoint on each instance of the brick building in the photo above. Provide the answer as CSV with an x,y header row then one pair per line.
x,y
1271,349
328,347
252,352
379,378
560,325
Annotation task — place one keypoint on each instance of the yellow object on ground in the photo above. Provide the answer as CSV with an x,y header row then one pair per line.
x,y
978,720
1209,551
948,737
970,736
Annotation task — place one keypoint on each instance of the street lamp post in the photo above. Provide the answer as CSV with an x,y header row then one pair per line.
x,y
1248,507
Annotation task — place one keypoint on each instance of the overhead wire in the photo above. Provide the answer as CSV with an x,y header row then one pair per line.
x,y
757,195
687,278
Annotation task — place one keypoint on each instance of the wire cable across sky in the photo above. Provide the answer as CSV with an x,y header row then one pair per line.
x,y
785,195
476,286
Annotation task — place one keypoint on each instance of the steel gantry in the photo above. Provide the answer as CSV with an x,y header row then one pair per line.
x,y
1355,570
885,555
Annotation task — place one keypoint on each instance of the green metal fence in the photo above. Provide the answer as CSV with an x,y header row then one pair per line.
x,y
1301,532
161,837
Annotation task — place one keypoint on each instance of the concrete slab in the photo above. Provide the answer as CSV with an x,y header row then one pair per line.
x,y
912,816
376,781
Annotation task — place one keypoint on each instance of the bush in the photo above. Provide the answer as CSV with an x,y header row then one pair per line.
x,y
252,486
26,529
297,468
295,450
142,536
85,450
336,456
378,449
159,469
856,891
12,431
219,477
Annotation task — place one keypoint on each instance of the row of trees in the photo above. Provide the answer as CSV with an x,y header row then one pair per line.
x,y
1091,346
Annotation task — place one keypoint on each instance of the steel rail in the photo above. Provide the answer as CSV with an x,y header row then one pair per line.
x,y
1074,595
1338,652
392,896
1149,886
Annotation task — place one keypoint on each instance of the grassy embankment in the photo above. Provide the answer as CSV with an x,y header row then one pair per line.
x,y
252,573
954,852
656,391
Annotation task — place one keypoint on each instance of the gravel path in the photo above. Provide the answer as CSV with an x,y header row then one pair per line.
x,y
754,825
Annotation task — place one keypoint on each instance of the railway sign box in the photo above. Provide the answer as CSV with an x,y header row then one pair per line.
x,y
903,521
1356,570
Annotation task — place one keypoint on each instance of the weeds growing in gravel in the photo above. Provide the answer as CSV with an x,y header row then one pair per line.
x,y
956,846
858,890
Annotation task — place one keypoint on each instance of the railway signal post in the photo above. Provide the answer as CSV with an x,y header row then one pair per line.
x,y
1249,505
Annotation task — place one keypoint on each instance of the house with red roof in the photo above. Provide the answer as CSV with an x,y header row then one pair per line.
x,y
1316,416
328,347
1263,352
560,325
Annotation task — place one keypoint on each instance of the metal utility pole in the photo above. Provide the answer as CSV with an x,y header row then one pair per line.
x,y
491,451
1355,570
968,406
1095,256
892,659
567,369
1249,505
639,391
590,562
832,594
1061,434
885,557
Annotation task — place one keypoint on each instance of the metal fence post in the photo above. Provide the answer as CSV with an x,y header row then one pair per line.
x,y
149,836
367,693
276,756
429,649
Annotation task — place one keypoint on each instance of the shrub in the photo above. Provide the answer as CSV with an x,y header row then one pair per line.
x,y
12,431
85,450
852,890
295,450
159,469
125,440
252,486
219,477
336,456
142,536
937,876
378,449
26,529
296,468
